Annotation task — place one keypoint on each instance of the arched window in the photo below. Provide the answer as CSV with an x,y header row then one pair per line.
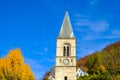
x,y
66,49
68,52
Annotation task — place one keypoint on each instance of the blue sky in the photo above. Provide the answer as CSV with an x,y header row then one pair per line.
x,y
33,26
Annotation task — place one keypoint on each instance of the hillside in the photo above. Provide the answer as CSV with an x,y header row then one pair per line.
x,y
106,61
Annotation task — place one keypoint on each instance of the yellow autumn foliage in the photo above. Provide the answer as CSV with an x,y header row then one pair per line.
x,y
102,68
12,67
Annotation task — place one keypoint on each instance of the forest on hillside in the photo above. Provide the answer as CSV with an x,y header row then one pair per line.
x,y
12,67
102,65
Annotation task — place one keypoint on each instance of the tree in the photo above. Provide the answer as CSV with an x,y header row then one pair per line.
x,y
13,67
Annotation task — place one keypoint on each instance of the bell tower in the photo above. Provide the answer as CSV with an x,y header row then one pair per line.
x,y
65,68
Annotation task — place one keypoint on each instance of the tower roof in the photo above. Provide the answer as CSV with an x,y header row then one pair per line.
x,y
66,28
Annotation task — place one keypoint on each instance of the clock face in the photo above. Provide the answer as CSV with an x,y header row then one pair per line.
x,y
65,61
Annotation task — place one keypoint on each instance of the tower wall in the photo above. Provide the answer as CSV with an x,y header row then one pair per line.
x,y
62,70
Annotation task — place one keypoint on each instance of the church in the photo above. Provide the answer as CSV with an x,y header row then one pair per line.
x,y
65,68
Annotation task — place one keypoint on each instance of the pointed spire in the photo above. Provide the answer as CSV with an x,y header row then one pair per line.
x,y
66,28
